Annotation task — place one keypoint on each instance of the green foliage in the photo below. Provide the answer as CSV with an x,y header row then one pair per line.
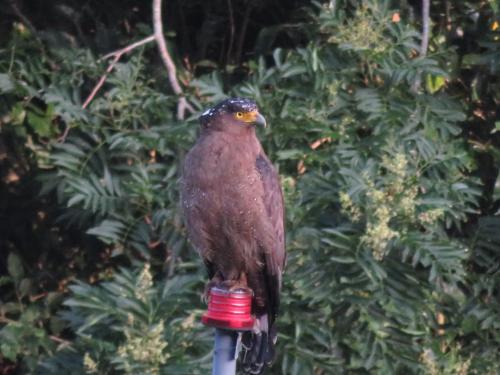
x,y
26,326
133,325
392,239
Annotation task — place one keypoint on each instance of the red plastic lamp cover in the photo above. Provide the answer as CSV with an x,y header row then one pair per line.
x,y
229,310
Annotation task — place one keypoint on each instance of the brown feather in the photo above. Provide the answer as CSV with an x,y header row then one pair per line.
x,y
234,211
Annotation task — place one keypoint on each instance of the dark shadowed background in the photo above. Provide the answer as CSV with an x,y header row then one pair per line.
x,y
388,158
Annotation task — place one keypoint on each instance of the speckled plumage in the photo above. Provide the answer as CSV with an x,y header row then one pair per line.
x,y
233,206
231,105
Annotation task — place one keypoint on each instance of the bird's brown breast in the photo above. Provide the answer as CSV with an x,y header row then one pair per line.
x,y
222,191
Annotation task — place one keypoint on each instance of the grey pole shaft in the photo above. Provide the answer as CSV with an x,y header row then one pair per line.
x,y
224,362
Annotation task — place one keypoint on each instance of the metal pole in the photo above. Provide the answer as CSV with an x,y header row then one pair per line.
x,y
224,361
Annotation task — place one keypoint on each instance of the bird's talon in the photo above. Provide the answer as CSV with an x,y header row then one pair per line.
x,y
208,287
234,286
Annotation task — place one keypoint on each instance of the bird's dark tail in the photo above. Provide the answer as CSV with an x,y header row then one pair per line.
x,y
258,347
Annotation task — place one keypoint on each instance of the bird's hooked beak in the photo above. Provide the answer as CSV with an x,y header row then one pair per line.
x,y
260,120
252,117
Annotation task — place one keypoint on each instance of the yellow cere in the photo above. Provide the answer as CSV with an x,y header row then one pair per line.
x,y
247,116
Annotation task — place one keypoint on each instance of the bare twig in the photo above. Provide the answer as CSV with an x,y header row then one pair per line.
x,y
129,47
17,11
231,31
116,56
64,135
447,7
183,104
243,31
60,340
101,81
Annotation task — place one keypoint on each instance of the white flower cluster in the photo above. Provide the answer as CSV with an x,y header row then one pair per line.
x,y
397,198
144,283
89,364
145,347
363,32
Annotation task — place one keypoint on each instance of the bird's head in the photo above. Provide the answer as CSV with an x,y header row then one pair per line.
x,y
233,115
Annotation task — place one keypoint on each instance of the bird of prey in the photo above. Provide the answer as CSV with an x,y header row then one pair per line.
x,y
233,208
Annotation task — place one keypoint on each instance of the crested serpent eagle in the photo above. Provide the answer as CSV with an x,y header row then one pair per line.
x,y
233,208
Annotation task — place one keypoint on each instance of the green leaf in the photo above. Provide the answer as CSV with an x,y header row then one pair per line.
x,y
5,280
108,230
10,308
10,350
471,59
6,84
42,125
15,267
497,127
24,287
290,154
433,83
18,114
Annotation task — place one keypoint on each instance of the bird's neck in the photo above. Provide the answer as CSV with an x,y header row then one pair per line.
x,y
242,142
232,131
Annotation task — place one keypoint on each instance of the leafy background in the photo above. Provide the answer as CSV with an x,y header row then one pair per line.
x,y
388,159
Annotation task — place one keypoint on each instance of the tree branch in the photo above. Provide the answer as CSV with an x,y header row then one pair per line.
x,y
129,47
60,340
243,31
183,104
17,11
424,44
116,57
425,27
101,82
231,31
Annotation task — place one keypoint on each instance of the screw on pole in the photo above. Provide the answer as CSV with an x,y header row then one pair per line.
x,y
229,312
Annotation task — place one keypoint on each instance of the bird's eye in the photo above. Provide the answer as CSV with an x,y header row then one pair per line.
x,y
239,115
